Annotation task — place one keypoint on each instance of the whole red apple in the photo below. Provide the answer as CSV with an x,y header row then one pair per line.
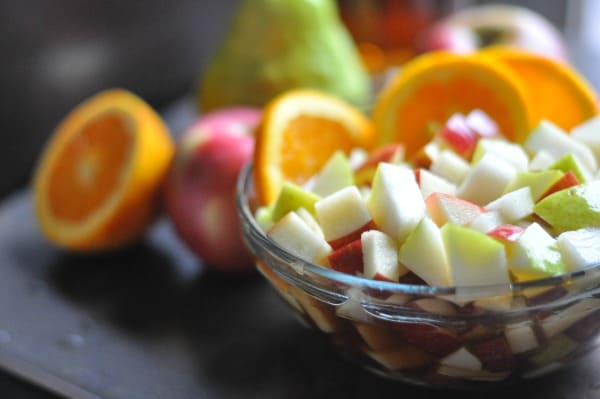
x,y
200,187
480,26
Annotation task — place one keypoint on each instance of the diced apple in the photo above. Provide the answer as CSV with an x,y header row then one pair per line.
x,y
293,234
579,248
514,205
310,221
333,176
560,321
358,156
404,358
459,135
450,166
352,236
486,180
462,359
486,222
521,337
380,338
541,161
347,259
432,339
570,163
352,308
507,233
587,134
495,354
320,313
568,180
481,123
474,258
444,208
430,183
380,257
549,137
264,217
512,153
554,350
538,182
391,153
426,155
342,213
535,255
424,254
290,198
395,203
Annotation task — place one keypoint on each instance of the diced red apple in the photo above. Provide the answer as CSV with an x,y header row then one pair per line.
x,y
347,259
429,338
459,135
507,233
568,180
445,208
352,236
495,354
482,124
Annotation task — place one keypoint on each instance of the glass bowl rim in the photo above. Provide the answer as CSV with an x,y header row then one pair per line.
x,y
242,202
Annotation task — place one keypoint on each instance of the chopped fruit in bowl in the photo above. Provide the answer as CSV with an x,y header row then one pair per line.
x,y
466,256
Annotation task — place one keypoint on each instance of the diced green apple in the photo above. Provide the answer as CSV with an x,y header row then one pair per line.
x,y
580,248
549,137
569,162
534,255
334,175
450,166
341,213
473,257
380,257
395,203
424,254
514,205
294,235
430,183
290,198
538,182
572,209
486,180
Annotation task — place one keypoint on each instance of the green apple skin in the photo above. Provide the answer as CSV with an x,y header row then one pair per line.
x,y
567,163
292,197
573,208
273,46
538,182
474,258
335,175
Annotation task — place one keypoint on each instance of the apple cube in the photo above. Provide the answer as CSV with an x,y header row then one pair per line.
x,y
549,137
426,155
486,180
567,181
474,258
341,213
432,339
555,350
380,257
512,153
588,133
538,182
462,359
579,248
572,209
450,166
535,255
541,160
444,208
264,217
402,358
495,354
333,176
320,313
395,203
379,338
481,123
514,205
459,135
486,222
560,321
570,163
290,198
347,259
310,221
507,233
521,337
423,253
430,183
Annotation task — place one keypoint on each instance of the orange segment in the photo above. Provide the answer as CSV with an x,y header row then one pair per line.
x,y
298,133
556,91
430,88
97,181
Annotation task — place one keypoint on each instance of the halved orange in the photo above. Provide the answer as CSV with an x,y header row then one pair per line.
x,y
556,91
432,87
97,182
299,131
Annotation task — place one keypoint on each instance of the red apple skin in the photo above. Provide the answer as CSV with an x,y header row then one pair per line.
x,y
459,135
199,191
352,236
566,181
348,259
513,26
507,233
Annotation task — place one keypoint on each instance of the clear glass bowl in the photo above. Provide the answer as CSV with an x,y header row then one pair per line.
x,y
460,337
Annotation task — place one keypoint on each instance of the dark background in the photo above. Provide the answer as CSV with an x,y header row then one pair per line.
x,y
54,54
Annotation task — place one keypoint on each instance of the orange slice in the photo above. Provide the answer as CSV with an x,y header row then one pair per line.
x,y
556,91
432,87
97,182
299,131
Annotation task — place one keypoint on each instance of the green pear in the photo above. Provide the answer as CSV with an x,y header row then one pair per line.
x,y
573,208
274,46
